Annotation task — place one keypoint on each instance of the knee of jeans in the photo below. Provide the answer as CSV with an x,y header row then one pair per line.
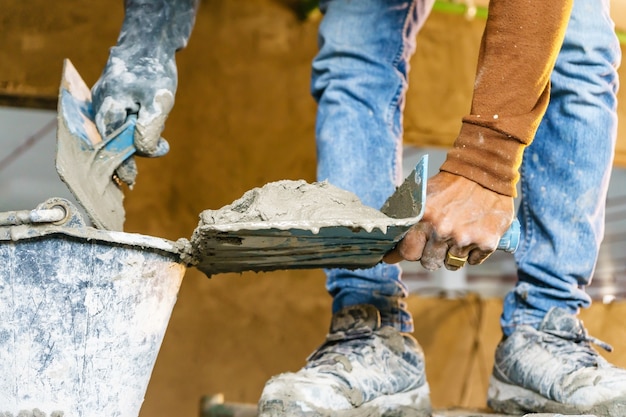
x,y
590,35
345,32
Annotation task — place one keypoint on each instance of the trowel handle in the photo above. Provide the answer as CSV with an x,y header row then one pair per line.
x,y
122,140
510,240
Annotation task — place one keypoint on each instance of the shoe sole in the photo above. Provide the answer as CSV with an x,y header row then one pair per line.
x,y
414,403
512,399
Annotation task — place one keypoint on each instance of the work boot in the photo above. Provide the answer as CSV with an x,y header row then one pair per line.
x,y
555,370
361,370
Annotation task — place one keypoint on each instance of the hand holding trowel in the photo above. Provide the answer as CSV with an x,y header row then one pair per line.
x,y
126,109
296,225
94,167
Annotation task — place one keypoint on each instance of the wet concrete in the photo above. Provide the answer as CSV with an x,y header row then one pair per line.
x,y
296,225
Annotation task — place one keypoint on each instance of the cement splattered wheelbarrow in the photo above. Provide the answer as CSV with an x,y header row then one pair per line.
x,y
83,313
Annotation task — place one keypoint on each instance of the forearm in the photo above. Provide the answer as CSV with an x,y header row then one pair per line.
x,y
162,24
519,48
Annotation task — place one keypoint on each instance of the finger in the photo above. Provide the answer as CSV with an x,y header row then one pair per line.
x,y
434,254
412,245
477,256
127,172
151,122
393,256
110,116
483,249
162,148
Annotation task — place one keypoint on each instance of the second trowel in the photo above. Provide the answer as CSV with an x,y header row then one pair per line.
x,y
85,161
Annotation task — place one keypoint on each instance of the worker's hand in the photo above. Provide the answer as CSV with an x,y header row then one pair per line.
x,y
461,219
140,82
140,76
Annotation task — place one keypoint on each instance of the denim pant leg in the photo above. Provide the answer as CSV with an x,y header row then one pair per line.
x,y
359,80
565,173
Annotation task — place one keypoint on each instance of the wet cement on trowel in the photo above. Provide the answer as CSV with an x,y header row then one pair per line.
x,y
290,225
289,203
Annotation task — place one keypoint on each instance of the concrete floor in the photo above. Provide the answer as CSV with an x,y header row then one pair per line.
x,y
473,413
216,407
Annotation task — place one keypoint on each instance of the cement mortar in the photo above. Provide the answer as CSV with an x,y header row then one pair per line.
x,y
291,225
296,202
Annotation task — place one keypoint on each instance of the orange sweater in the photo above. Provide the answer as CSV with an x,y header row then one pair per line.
x,y
520,44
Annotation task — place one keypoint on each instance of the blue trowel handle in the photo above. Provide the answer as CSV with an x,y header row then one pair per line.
x,y
510,241
122,140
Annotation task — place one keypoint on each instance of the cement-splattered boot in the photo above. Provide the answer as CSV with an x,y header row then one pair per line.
x,y
361,370
555,370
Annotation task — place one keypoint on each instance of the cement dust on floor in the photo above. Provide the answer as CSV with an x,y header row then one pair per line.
x,y
214,406
457,412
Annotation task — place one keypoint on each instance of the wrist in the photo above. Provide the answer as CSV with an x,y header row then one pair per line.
x,y
165,24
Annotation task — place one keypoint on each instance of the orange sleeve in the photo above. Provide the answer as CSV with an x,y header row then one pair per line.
x,y
518,51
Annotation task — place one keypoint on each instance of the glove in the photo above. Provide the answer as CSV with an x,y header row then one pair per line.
x,y
133,83
140,76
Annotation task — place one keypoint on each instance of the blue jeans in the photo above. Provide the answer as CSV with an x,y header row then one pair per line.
x,y
359,81
565,173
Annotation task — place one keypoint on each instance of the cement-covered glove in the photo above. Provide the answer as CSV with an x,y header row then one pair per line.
x,y
140,76
462,220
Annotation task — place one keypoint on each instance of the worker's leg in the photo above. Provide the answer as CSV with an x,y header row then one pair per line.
x,y
359,81
565,173
547,356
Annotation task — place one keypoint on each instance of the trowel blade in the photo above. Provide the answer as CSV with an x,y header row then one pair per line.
x,y
320,242
86,162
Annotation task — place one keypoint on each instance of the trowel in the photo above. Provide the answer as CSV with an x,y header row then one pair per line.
x,y
85,161
266,241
